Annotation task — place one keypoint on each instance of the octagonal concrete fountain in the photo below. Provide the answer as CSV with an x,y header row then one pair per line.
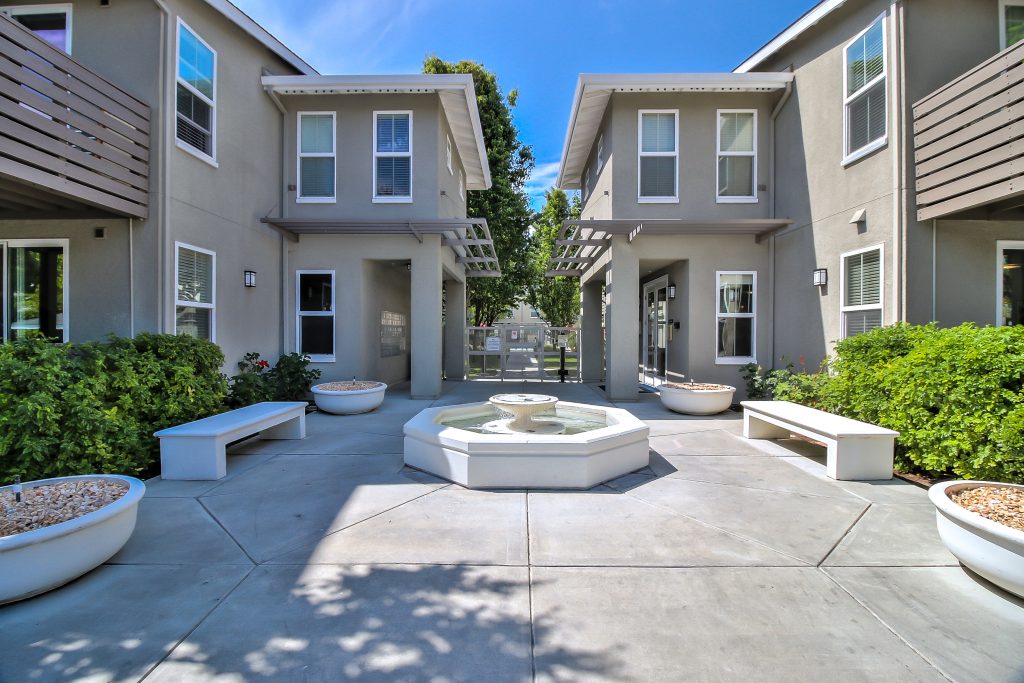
x,y
526,441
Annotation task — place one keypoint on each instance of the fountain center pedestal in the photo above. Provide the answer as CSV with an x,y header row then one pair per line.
x,y
523,407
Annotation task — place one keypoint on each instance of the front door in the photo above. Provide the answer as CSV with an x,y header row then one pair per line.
x,y
654,353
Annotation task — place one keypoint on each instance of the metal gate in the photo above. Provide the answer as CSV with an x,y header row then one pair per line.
x,y
521,352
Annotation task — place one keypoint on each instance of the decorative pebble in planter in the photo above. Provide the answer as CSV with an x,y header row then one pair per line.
x,y
967,521
349,398
61,529
696,398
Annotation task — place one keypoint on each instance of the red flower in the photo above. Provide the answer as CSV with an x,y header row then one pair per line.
x,y
264,364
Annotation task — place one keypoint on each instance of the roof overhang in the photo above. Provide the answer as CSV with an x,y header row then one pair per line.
x,y
594,90
581,242
249,25
809,19
456,92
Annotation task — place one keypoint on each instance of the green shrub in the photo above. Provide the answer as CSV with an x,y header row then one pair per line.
x,y
289,380
250,385
92,408
291,377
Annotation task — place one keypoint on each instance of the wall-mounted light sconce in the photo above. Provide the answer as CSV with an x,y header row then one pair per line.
x,y
250,278
671,291
820,277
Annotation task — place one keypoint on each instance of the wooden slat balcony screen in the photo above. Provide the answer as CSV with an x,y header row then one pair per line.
x,y
969,138
72,137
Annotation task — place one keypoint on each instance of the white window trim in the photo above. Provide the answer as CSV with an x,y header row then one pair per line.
x,y
586,182
737,360
392,200
880,306
1003,4
300,155
448,152
1001,246
640,154
719,153
65,7
849,156
196,304
208,158
600,154
4,287
462,184
299,314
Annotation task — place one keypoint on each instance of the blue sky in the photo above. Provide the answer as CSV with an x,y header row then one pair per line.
x,y
537,47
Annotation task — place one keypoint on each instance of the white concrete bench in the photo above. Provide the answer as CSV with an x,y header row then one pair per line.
x,y
196,450
856,450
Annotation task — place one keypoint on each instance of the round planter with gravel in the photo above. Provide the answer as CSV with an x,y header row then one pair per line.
x,y
61,529
696,398
991,549
349,398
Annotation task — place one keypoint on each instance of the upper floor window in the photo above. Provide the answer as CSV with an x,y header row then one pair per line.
x,y
195,292
448,154
462,185
861,299
737,155
864,93
52,23
600,153
196,93
392,156
316,157
658,161
586,183
1011,22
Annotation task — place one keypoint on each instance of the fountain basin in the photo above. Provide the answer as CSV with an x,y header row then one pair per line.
x,y
616,446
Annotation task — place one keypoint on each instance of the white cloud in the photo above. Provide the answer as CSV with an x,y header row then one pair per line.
x,y
541,180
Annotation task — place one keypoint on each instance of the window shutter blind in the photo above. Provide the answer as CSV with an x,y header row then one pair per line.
x,y
393,133
394,176
864,279
317,134
737,132
195,276
866,117
317,176
658,133
864,61
859,322
657,176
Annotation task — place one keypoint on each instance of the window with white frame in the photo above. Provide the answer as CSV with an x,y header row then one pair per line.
x,y
196,93
52,23
314,314
735,294
462,184
600,154
35,288
392,156
586,183
861,299
864,95
448,154
658,161
1010,283
1011,22
737,155
317,153
195,295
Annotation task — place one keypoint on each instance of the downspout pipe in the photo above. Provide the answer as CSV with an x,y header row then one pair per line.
x,y
283,203
163,212
771,208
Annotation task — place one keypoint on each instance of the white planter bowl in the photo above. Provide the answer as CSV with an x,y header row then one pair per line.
x,y
696,402
989,549
348,402
37,561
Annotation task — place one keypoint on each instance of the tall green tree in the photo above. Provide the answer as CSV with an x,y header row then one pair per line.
x,y
557,298
506,205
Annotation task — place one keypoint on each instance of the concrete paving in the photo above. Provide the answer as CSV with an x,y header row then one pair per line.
x,y
326,559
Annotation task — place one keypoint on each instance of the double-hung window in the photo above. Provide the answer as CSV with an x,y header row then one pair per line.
x,y
448,154
1011,22
392,156
600,154
52,23
737,155
864,92
317,153
196,94
861,297
736,308
314,314
195,295
35,288
658,161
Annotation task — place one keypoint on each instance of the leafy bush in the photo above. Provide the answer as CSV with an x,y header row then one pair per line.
x,y
250,384
92,408
289,380
291,377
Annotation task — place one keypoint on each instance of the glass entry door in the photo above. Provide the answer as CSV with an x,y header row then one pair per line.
x,y
654,353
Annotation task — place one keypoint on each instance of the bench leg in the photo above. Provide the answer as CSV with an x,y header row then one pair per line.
x,y
192,459
291,429
854,458
753,428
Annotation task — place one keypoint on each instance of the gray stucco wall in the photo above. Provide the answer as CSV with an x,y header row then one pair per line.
x,y
966,252
387,286
451,204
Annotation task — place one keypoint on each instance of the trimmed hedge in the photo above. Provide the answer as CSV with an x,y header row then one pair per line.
x,y
93,407
956,395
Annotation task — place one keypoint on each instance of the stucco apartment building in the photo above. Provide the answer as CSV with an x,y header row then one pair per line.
x,y
169,166
861,168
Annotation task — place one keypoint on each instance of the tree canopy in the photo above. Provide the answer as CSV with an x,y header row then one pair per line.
x,y
557,298
506,205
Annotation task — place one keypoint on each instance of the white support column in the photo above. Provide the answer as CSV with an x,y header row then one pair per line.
x,y
622,318
426,331
455,331
591,342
